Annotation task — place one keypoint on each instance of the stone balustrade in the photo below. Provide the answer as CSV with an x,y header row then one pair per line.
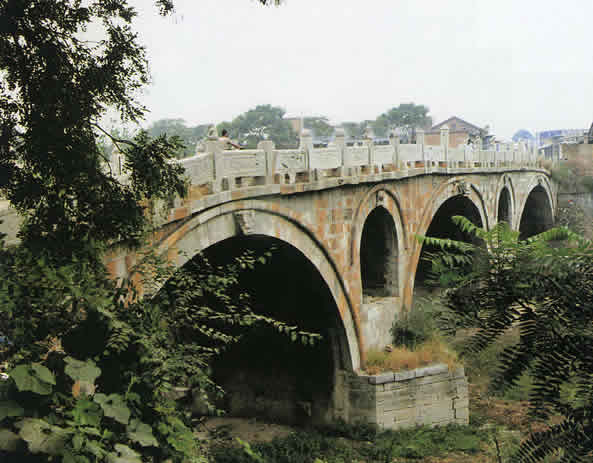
x,y
224,170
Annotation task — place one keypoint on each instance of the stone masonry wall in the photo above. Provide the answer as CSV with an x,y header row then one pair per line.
x,y
431,396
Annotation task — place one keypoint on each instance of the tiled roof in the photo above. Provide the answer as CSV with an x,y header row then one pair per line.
x,y
438,126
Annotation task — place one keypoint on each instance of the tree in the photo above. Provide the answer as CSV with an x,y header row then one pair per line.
x,y
54,89
190,136
90,364
264,121
354,129
319,125
406,115
546,292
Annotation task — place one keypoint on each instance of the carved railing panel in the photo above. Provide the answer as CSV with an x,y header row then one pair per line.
x,y
325,158
290,160
383,154
244,163
356,156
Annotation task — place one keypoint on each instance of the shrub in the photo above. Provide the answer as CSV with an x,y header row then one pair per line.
x,y
418,325
403,358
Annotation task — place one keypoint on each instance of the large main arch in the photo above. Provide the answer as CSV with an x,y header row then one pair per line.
x,y
377,259
247,218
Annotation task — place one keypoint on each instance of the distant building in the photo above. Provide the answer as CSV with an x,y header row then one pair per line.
x,y
523,135
556,144
553,137
460,132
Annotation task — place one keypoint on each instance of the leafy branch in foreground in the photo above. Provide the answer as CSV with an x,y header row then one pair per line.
x,y
92,367
547,293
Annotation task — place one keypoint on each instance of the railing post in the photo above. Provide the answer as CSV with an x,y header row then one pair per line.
x,y
445,143
420,147
215,147
340,144
269,148
306,145
394,142
368,139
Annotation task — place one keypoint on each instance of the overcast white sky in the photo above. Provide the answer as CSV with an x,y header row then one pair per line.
x,y
508,63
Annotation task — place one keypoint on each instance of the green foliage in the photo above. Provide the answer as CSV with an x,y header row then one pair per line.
x,y
586,183
573,217
190,136
33,377
417,326
264,121
571,179
319,125
354,129
90,364
564,176
407,115
54,89
329,445
544,292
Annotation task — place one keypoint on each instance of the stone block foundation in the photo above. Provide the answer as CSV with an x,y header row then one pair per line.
x,y
431,396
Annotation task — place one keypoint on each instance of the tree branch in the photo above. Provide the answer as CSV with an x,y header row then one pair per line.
x,y
115,141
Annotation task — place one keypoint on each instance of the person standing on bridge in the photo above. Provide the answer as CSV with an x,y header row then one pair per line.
x,y
227,143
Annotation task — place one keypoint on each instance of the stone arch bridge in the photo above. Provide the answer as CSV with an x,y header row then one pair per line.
x,y
348,216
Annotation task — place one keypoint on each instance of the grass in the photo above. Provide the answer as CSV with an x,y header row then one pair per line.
x,y
404,358
330,446
417,341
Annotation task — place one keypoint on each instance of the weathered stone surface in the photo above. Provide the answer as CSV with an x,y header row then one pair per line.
x,y
381,378
404,375
432,370
425,396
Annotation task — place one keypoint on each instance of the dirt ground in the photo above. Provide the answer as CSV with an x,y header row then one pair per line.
x,y
510,416
247,429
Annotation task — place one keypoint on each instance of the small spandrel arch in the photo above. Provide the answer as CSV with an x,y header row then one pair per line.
x,y
505,213
379,255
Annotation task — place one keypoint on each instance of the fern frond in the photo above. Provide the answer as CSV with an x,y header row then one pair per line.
x,y
556,234
445,243
469,227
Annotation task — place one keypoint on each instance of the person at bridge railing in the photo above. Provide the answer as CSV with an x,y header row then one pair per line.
x,y
227,143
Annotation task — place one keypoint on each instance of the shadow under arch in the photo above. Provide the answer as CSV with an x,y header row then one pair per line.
x,y
455,187
379,255
505,206
504,210
378,196
442,226
537,215
245,219
266,374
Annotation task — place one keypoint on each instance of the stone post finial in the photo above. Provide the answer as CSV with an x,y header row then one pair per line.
x,y
306,138
420,136
214,146
394,141
340,142
212,133
369,134
306,145
445,142
270,151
